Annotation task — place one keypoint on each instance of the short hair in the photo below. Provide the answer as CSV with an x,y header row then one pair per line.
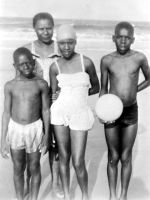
x,y
22,51
125,25
42,15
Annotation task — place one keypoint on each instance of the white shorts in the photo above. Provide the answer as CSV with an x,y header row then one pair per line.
x,y
82,120
28,137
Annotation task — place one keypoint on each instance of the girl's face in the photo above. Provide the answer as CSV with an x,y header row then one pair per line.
x,y
44,30
67,47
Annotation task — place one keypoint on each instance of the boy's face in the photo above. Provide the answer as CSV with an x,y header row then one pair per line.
x,y
44,30
123,39
24,65
67,47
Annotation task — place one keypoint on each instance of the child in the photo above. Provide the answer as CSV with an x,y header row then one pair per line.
x,y
121,70
26,97
75,76
45,52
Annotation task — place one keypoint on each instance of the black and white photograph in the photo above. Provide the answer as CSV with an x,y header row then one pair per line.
x,y
74,100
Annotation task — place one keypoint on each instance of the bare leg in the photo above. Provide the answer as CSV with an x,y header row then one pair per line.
x,y
112,139
33,160
19,163
128,137
78,146
27,181
55,171
54,167
63,140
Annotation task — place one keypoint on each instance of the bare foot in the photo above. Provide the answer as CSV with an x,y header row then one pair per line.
x,y
85,197
58,192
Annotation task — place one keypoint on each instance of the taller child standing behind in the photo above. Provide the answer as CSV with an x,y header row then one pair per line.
x,y
121,69
45,52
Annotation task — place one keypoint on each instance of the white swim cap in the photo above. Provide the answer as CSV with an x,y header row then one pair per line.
x,y
65,31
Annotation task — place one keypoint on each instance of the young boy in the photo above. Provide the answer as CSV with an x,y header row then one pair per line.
x,y
26,97
45,52
121,70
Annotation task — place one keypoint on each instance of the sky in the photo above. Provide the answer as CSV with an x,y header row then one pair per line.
x,y
132,10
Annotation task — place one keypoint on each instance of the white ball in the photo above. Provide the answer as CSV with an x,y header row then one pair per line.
x,y
109,107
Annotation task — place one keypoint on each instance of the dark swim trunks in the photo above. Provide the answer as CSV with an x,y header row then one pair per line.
x,y
128,117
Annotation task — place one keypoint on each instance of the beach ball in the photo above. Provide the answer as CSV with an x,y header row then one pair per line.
x,y
109,107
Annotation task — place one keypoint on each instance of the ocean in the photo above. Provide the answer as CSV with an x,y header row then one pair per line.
x,y
21,29
93,35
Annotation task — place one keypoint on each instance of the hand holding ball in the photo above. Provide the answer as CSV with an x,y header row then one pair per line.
x,y
109,107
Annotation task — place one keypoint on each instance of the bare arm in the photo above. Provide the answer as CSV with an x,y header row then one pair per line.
x,y
104,76
146,72
90,69
53,82
5,119
45,112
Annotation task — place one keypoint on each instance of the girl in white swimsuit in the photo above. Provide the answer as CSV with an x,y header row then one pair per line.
x,y
71,116
71,108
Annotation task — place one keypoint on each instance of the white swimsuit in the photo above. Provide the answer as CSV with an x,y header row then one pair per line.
x,y
71,108
42,65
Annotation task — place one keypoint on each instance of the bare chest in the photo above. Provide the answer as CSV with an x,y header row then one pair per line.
x,y
124,67
26,91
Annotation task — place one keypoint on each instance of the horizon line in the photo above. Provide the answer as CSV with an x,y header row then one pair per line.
x,y
108,20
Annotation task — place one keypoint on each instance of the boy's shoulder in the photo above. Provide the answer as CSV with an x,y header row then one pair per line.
x,y
114,55
36,80
41,82
136,53
107,59
139,55
10,84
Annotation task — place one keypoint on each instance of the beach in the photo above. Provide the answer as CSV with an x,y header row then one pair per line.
x,y
94,41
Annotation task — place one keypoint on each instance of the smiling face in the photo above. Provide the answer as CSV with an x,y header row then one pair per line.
x,y
67,47
123,39
25,65
44,30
